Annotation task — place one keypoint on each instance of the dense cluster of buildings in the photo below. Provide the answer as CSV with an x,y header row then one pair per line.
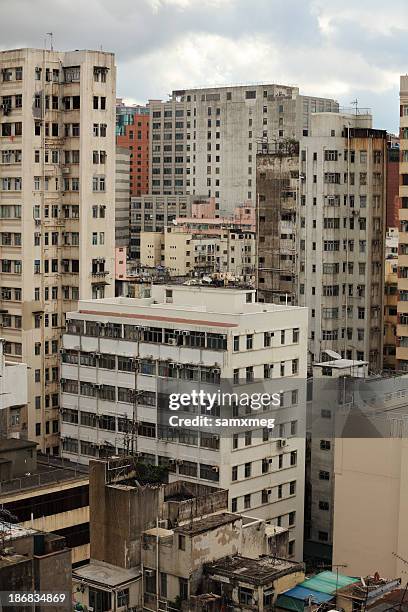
x,y
243,238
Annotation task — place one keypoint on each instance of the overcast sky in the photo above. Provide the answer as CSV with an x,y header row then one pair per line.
x,y
344,49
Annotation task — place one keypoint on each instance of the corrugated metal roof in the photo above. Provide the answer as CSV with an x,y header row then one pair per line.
x,y
290,603
328,582
301,592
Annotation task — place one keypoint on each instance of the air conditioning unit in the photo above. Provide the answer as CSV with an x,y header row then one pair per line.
x,y
281,443
149,573
216,371
66,170
215,469
179,366
172,341
185,333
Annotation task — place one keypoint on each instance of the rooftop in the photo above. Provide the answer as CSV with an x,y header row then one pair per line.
x,y
207,524
257,571
12,531
105,574
371,588
49,471
170,302
13,444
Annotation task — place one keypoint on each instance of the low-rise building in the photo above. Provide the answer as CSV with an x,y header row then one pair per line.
x,y
252,584
194,247
152,541
34,561
45,493
101,586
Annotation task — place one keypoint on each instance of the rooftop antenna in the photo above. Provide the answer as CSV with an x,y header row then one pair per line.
x,y
355,103
51,35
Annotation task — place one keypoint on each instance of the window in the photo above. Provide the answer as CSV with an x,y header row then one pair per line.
x,y
247,501
234,473
123,597
245,595
323,475
325,444
236,343
183,588
249,341
182,542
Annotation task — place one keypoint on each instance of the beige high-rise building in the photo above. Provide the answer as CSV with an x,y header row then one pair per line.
x,y
57,200
341,224
402,326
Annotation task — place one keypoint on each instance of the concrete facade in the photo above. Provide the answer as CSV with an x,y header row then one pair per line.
x,y
213,133
390,312
152,213
158,541
341,240
194,247
35,562
13,396
402,326
277,175
57,184
94,423
122,198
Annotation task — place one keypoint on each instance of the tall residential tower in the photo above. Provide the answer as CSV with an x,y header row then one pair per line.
x,y
57,199
204,141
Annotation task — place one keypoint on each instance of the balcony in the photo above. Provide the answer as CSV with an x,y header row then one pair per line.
x,y
99,274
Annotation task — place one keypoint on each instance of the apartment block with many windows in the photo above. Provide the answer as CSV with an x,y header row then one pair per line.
x,y
402,308
119,355
341,235
57,160
204,140
132,133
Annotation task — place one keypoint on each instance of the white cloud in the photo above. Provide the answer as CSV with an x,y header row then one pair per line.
x,y
340,48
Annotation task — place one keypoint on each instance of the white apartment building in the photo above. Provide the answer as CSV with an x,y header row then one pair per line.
x,y
341,235
57,190
204,140
120,353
